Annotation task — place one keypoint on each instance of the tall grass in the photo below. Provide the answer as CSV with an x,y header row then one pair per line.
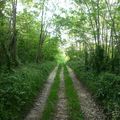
x,y
18,89
105,88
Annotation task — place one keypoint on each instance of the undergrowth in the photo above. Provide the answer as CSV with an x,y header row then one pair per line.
x,y
105,88
18,89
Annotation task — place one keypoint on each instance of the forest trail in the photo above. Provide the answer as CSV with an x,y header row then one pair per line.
x,y
61,112
89,108
36,112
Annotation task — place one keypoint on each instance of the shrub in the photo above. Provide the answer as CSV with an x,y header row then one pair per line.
x,y
18,90
105,87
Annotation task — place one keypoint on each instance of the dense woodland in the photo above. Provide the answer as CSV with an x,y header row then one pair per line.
x,y
32,44
24,37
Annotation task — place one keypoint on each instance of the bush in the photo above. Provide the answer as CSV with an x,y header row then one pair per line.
x,y
18,90
106,89
109,94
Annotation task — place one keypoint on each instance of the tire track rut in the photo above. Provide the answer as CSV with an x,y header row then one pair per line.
x,y
36,112
90,109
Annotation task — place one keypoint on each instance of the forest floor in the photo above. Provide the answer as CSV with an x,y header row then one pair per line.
x,y
89,108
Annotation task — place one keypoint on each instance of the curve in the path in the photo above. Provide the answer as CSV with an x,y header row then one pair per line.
x,y
61,112
90,109
36,112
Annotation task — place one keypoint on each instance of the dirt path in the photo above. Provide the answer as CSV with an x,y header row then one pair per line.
x,y
36,112
90,109
61,112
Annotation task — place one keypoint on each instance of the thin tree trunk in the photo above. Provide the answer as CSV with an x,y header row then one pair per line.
x,y
13,42
98,22
39,51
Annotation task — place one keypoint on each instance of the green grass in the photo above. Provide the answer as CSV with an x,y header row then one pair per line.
x,y
74,110
50,108
18,89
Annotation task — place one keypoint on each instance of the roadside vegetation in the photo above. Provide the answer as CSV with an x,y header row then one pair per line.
x,y
19,89
105,88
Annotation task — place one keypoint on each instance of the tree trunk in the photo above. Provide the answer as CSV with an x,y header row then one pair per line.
x,y
13,42
41,38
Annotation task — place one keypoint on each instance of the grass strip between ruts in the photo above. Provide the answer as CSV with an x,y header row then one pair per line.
x,y
74,110
50,107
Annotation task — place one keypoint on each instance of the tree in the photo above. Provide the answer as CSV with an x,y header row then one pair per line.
x,y
13,41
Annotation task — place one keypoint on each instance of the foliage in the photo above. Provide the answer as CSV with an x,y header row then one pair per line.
x,y
23,35
50,49
93,28
18,90
28,35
